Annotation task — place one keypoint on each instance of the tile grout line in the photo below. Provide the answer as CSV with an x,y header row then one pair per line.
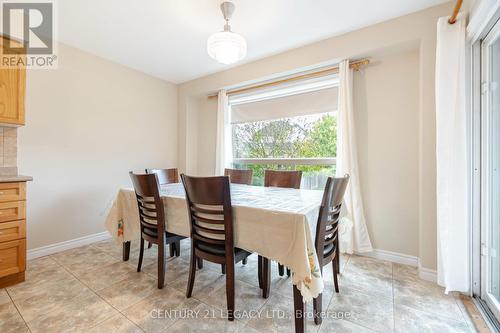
x,y
359,291
14,303
468,322
131,305
393,298
425,311
17,309
331,299
95,293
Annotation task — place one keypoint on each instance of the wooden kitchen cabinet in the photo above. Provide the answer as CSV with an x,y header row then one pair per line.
x,y
12,232
12,93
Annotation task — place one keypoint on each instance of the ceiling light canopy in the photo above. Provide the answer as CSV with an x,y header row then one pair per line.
x,y
226,46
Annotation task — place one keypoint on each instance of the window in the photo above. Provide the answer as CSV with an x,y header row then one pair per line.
x,y
292,131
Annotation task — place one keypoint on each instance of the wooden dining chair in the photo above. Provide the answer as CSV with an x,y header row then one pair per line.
x,y
152,219
280,178
286,179
237,176
167,176
327,240
211,216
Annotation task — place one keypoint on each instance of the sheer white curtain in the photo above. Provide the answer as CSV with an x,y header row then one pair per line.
x,y
353,232
223,148
451,156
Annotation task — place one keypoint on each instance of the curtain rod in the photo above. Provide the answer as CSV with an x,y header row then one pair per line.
x,y
456,10
356,65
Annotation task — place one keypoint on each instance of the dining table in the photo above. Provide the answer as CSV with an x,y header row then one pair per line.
x,y
277,223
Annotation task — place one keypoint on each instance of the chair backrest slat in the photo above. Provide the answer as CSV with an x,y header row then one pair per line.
x,y
326,241
237,176
287,179
165,176
149,203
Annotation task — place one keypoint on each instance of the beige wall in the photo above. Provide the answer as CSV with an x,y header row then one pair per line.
x,y
416,223
386,115
87,124
386,110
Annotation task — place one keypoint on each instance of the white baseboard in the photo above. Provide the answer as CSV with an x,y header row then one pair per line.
x,y
399,258
426,273
66,245
395,257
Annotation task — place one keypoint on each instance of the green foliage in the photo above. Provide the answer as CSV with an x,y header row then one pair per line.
x,y
322,139
286,138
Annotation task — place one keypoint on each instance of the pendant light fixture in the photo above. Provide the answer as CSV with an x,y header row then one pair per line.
x,y
226,46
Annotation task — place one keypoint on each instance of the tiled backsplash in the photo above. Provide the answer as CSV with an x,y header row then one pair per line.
x,y
8,150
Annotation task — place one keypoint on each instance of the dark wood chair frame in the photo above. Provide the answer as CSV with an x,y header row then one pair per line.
x,y
327,240
239,176
167,176
282,178
285,179
152,220
211,218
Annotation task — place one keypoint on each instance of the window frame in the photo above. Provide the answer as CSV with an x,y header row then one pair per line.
x,y
325,83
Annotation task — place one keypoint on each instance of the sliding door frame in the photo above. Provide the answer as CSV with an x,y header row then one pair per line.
x,y
486,139
478,135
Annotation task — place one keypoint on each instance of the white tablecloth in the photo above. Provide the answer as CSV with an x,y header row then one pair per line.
x,y
277,223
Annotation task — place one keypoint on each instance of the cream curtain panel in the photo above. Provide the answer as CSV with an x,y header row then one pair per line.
x,y
451,156
353,232
223,149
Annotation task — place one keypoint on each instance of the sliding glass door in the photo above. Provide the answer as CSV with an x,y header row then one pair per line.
x,y
490,148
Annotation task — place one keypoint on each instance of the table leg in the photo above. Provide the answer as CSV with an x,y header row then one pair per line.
x,y
126,250
259,268
266,277
172,249
299,311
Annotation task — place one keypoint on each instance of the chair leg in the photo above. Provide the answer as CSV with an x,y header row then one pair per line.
x,y
200,263
244,261
141,254
335,278
177,248
259,269
266,277
161,263
149,245
223,268
230,290
337,254
126,250
192,272
317,309
172,249
288,272
281,270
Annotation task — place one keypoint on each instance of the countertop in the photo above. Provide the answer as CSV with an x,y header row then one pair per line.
x,y
14,178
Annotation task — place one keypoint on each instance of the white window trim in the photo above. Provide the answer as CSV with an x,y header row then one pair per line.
x,y
323,161
324,83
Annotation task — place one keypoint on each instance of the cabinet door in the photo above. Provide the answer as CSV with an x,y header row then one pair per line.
x,y
12,96
12,257
12,88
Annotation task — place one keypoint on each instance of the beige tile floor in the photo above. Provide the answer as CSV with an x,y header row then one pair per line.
x,y
89,289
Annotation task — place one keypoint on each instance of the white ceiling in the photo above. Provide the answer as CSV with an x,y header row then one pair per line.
x,y
167,38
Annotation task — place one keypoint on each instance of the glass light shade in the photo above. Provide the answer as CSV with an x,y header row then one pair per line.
x,y
227,47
